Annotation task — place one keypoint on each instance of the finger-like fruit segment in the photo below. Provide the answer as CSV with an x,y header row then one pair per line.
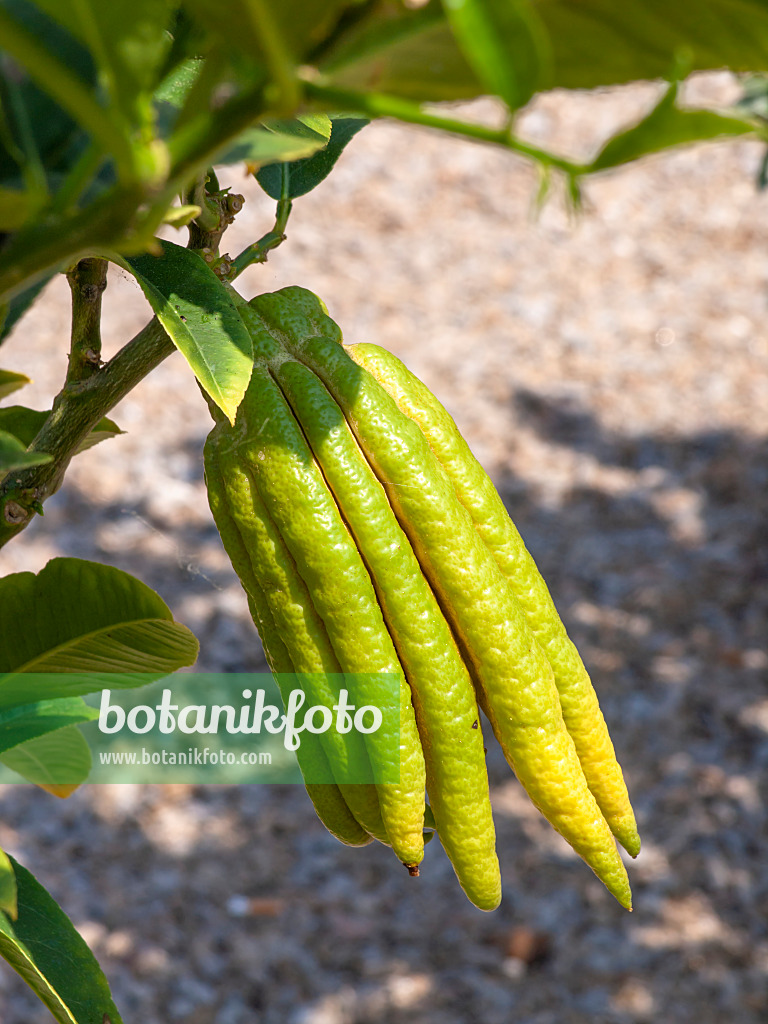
x,y
508,662
476,492
441,688
297,500
265,567
327,798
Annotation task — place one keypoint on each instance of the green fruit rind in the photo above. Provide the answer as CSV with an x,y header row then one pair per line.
x,y
441,688
510,666
327,798
275,453
272,582
477,494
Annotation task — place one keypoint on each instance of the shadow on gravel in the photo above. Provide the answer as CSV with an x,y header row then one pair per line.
x,y
218,905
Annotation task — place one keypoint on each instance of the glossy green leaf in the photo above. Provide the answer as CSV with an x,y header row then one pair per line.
x,y
505,44
275,141
10,382
304,175
25,423
305,125
43,946
8,889
600,42
666,126
196,310
79,626
407,53
57,761
14,454
27,722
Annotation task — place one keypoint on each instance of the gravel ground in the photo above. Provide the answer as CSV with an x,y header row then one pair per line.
x,y
611,371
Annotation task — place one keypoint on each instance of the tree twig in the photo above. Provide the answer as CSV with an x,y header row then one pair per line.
x,y
76,411
87,281
382,105
258,252
92,389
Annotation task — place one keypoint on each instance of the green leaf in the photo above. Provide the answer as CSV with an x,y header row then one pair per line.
x,y
14,208
43,946
302,24
275,141
406,53
176,85
25,424
305,24
196,310
128,41
305,125
173,91
179,216
103,431
55,76
506,45
14,454
412,53
8,892
54,132
304,175
79,626
27,722
666,126
10,382
57,761
600,42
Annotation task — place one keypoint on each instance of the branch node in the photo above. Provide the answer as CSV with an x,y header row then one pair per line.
x,y
15,514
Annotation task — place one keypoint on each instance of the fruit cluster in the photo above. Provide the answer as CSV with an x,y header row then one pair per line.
x,y
369,540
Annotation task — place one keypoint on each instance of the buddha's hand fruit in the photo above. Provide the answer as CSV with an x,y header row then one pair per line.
x,y
369,540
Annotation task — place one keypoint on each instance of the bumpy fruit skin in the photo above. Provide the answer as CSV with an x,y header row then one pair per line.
x,y
441,687
292,633
327,798
360,552
479,497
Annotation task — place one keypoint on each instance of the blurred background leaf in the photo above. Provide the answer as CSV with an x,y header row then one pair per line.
x,y
10,382
506,45
57,761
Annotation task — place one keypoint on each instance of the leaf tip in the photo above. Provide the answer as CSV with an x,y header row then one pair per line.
x,y
60,790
